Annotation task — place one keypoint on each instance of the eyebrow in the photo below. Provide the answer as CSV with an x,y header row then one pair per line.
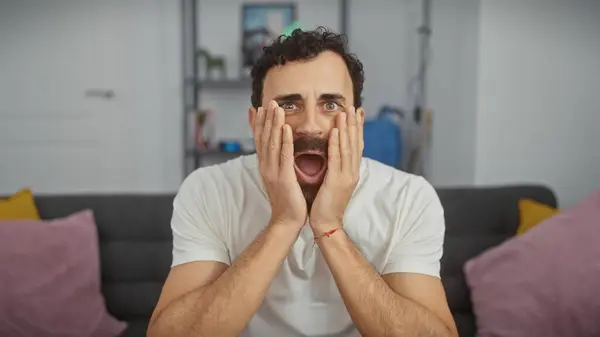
x,y
323,97
332,97
288,97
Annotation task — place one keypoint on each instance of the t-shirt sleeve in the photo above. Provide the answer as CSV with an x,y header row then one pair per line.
x,y
197,228
419,246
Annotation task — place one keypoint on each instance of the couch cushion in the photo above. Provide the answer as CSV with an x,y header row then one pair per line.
x,y
19,206
135,248
545,282
477,219
532,213
51,286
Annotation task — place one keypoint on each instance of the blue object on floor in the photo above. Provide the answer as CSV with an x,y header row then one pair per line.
x,y
230,146
383,138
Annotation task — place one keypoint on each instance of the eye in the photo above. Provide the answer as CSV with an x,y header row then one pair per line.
x,y
331,106
288,105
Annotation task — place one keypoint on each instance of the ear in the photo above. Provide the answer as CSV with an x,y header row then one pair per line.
x,y
251,115
361,111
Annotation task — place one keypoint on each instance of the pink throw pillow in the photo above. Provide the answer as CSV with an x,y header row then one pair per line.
x,y
50,279
544,283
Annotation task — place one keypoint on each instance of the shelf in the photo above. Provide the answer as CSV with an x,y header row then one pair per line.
x,y
222,84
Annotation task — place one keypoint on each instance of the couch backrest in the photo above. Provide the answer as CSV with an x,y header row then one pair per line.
x,y
477,219
135,248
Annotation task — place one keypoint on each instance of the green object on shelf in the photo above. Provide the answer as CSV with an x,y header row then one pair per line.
x,y
289,29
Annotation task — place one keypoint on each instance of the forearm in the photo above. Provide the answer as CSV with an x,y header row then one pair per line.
x,y
224,307
374,307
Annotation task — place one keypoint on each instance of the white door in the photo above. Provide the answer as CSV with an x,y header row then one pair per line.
x,y
80,96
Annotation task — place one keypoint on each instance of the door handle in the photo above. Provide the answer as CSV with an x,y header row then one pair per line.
x,y
100,93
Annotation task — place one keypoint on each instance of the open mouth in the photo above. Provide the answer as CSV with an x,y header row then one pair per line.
x,y
310,166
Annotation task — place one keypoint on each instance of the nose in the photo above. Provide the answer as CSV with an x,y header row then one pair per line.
x,y
310,125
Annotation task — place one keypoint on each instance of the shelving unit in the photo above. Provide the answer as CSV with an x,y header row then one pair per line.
x,y
193,85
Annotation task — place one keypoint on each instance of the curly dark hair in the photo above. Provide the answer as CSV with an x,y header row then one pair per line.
x,y
305,45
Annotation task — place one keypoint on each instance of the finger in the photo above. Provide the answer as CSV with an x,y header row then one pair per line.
x,y
352,136
361,124
333,153
257,128
275,140
345,154
287,151
266,133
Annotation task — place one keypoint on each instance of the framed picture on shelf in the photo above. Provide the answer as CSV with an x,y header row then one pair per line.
x,y
261,24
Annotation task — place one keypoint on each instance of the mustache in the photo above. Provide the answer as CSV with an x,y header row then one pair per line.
x,y
311,144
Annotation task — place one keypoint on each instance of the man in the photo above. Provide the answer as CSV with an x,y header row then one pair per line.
x,y
305,238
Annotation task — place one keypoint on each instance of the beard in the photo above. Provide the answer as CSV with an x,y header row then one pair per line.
x,y
317,147
310,193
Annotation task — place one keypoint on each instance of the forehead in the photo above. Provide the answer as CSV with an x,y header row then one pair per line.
x,y
326,73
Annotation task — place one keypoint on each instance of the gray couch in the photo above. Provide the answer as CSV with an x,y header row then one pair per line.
x,y
135,243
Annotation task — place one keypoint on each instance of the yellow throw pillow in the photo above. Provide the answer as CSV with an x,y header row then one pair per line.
x,y
19,206
532,213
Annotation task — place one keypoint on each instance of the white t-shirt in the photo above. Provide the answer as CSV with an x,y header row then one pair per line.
x,y
395,219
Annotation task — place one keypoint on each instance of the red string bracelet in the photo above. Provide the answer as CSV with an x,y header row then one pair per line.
x,y
328,233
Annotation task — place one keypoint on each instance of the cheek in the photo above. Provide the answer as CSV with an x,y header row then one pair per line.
x,y
327,123
294,121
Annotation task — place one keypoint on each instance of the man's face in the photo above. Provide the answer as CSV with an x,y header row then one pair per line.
x,y
311,94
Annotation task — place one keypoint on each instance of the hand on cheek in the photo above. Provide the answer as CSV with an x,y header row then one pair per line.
x,y
275,150
343,168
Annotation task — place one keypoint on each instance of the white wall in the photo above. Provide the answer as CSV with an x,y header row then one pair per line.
x,y
452,86
55,139
382,33
539,95
513,85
